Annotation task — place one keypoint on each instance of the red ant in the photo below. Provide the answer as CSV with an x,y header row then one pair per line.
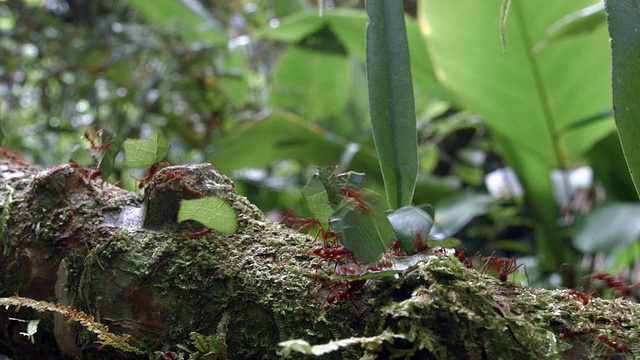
x,y
86,176
465,260
349,289
617,346
332,253
614,285
396,245
198,234
381,265
582,296
169,176
355,195
168,355
11,155
503,266
93,139
152,170
421,245
303,223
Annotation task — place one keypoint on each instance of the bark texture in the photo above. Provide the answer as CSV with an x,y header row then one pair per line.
x,y
122,258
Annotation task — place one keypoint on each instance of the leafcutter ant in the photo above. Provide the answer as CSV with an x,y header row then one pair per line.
x,y
348,290
93,140
617,346
356,195
614,285
198,234
503,266
466,260
582,296
304,223
152,170
11,155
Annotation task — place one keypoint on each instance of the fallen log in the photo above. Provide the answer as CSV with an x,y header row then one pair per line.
x,y
139,285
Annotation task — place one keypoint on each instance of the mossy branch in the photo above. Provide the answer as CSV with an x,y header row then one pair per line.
x,y
107,338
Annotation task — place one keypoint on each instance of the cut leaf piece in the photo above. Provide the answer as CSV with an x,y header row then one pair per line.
x,y
318,200
408,221
367,234
144,152
211,212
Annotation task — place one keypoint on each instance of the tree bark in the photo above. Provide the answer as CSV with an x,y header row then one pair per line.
x,y
81,244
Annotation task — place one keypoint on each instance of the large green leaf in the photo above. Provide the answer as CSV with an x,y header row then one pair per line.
x,y
534,103
393,118
284,136
189,17
348,26
623,17
313,84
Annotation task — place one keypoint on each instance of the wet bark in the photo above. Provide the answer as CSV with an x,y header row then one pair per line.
x,y
122,259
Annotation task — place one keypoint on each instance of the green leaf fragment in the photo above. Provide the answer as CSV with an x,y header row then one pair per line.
x,y
328,178
106,164
367,234
144,152
354,179
82,157
408,222
317,199
211,211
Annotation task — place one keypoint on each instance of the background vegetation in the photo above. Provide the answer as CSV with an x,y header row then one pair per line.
x,y
518,150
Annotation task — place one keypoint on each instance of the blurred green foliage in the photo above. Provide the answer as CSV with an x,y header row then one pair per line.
x,y
267,91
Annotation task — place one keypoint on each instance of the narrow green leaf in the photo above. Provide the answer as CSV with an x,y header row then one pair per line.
x,y
623,17
211,212
140,153
581,21
391,100
504,15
